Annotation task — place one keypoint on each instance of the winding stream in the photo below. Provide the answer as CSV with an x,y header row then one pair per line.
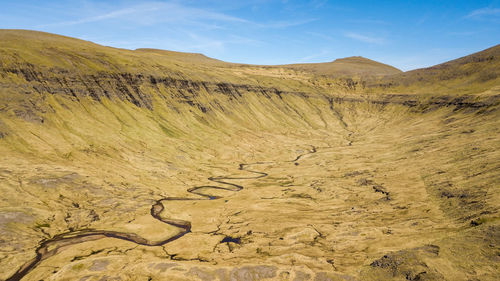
x,y
49,247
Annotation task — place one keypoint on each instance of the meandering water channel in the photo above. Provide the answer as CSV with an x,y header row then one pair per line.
x,y
49,247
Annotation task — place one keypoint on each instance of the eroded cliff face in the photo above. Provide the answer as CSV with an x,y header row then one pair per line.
x,y
31,85
130,165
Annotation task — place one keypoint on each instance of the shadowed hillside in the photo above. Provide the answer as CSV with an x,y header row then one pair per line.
x,y
156,165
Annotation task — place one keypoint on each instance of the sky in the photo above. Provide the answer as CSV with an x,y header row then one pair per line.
x,y
405,34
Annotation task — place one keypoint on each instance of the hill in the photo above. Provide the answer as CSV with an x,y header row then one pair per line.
x,y
474,73
180,56
347,67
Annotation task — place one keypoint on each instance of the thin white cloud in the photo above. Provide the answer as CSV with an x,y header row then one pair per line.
x,y
423,19
285,24
484,12
463,33
368,21
209,45
236,39
190,42
106,16
309,58
151,13
317,4
322,36
155,12
364,38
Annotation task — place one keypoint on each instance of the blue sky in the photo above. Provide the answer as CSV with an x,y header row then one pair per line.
x,y
405,34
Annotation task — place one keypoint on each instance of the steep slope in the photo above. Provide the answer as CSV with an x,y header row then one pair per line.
x,y
149,164
470,74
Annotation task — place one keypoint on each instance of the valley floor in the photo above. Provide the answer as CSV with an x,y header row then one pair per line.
x,y
379,192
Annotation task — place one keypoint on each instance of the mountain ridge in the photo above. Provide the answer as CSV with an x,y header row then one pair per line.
x,y
347,67
191,57
473,73
341,67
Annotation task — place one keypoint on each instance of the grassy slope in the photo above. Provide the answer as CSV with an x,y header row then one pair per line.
x,y
49,51
347,67
472,74
111,158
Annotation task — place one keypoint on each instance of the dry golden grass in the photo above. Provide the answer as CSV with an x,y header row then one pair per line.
x,y
387,188
348,68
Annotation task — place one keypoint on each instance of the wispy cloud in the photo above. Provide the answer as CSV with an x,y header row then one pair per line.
x,y
317,4
309,58
368,21
154,12
321,35
484,12
189,42
110,15
423,19
464,33
150,13
200,43
364,38
286,23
